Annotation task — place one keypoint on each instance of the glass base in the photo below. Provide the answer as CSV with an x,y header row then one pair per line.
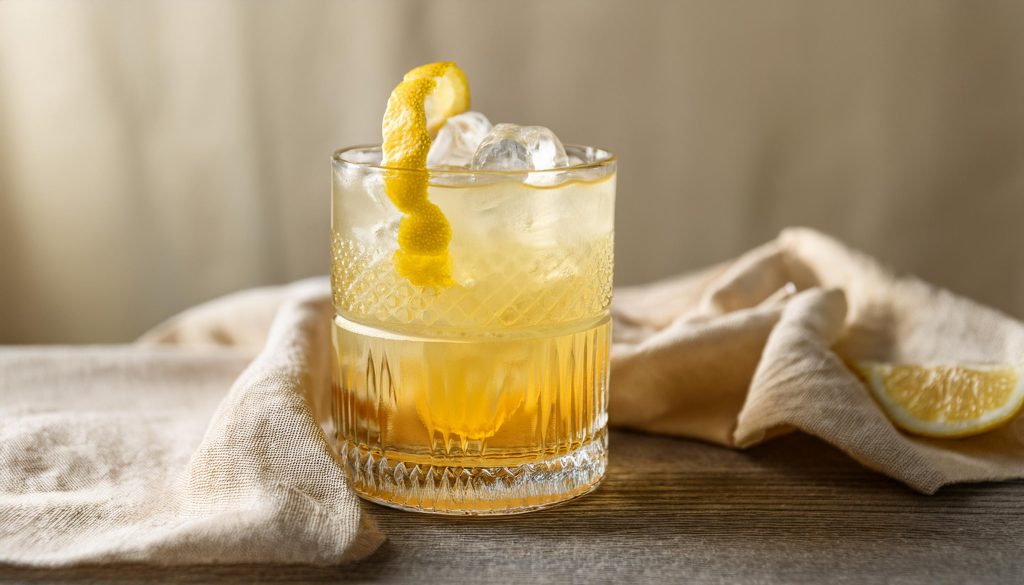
x,y
475,491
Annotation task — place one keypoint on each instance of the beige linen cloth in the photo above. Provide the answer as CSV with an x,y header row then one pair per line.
x,y
104,457
181,454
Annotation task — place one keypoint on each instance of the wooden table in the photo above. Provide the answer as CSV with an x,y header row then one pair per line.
x,y
792,511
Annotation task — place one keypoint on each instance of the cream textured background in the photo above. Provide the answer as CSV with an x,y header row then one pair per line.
x,y
154,154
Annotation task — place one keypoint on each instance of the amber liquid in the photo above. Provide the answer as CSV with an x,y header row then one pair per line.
x,y
487,396
473,425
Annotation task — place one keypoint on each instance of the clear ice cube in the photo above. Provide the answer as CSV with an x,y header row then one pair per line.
x,y
457,140
509,147
373,217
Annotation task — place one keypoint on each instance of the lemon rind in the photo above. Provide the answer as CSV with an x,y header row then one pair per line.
x,y
412,116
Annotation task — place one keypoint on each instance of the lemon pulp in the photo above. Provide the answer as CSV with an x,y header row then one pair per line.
x,y
947,400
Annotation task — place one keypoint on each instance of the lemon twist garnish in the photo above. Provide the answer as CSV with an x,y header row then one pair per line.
x,y
418,107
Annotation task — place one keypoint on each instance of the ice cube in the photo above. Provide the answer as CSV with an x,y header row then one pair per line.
x,y
457,140
374,219
373,185
510,147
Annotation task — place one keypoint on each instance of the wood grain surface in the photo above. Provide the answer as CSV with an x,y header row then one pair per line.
x,y
792,511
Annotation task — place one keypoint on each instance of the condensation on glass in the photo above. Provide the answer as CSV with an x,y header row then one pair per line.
x,y
490,396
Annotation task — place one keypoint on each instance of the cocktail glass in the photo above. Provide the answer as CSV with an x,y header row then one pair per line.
x,y
488,396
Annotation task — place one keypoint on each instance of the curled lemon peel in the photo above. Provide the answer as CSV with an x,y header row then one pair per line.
x,y
418,107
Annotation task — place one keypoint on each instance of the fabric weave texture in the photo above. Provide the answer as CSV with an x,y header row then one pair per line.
x,y
204,441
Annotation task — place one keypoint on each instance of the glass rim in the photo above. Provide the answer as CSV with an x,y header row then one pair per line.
x,y
609,160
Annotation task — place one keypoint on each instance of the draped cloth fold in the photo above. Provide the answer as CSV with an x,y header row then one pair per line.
x,y
180,453
204,441
763,345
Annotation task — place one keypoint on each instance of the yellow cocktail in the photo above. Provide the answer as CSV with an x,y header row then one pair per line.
x,y
486,393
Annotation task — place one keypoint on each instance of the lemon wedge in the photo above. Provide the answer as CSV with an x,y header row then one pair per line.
x,y
418,107
946,401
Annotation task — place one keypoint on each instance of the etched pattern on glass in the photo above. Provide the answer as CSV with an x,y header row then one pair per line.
x,y
562,285
449,489
489,396
469,425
